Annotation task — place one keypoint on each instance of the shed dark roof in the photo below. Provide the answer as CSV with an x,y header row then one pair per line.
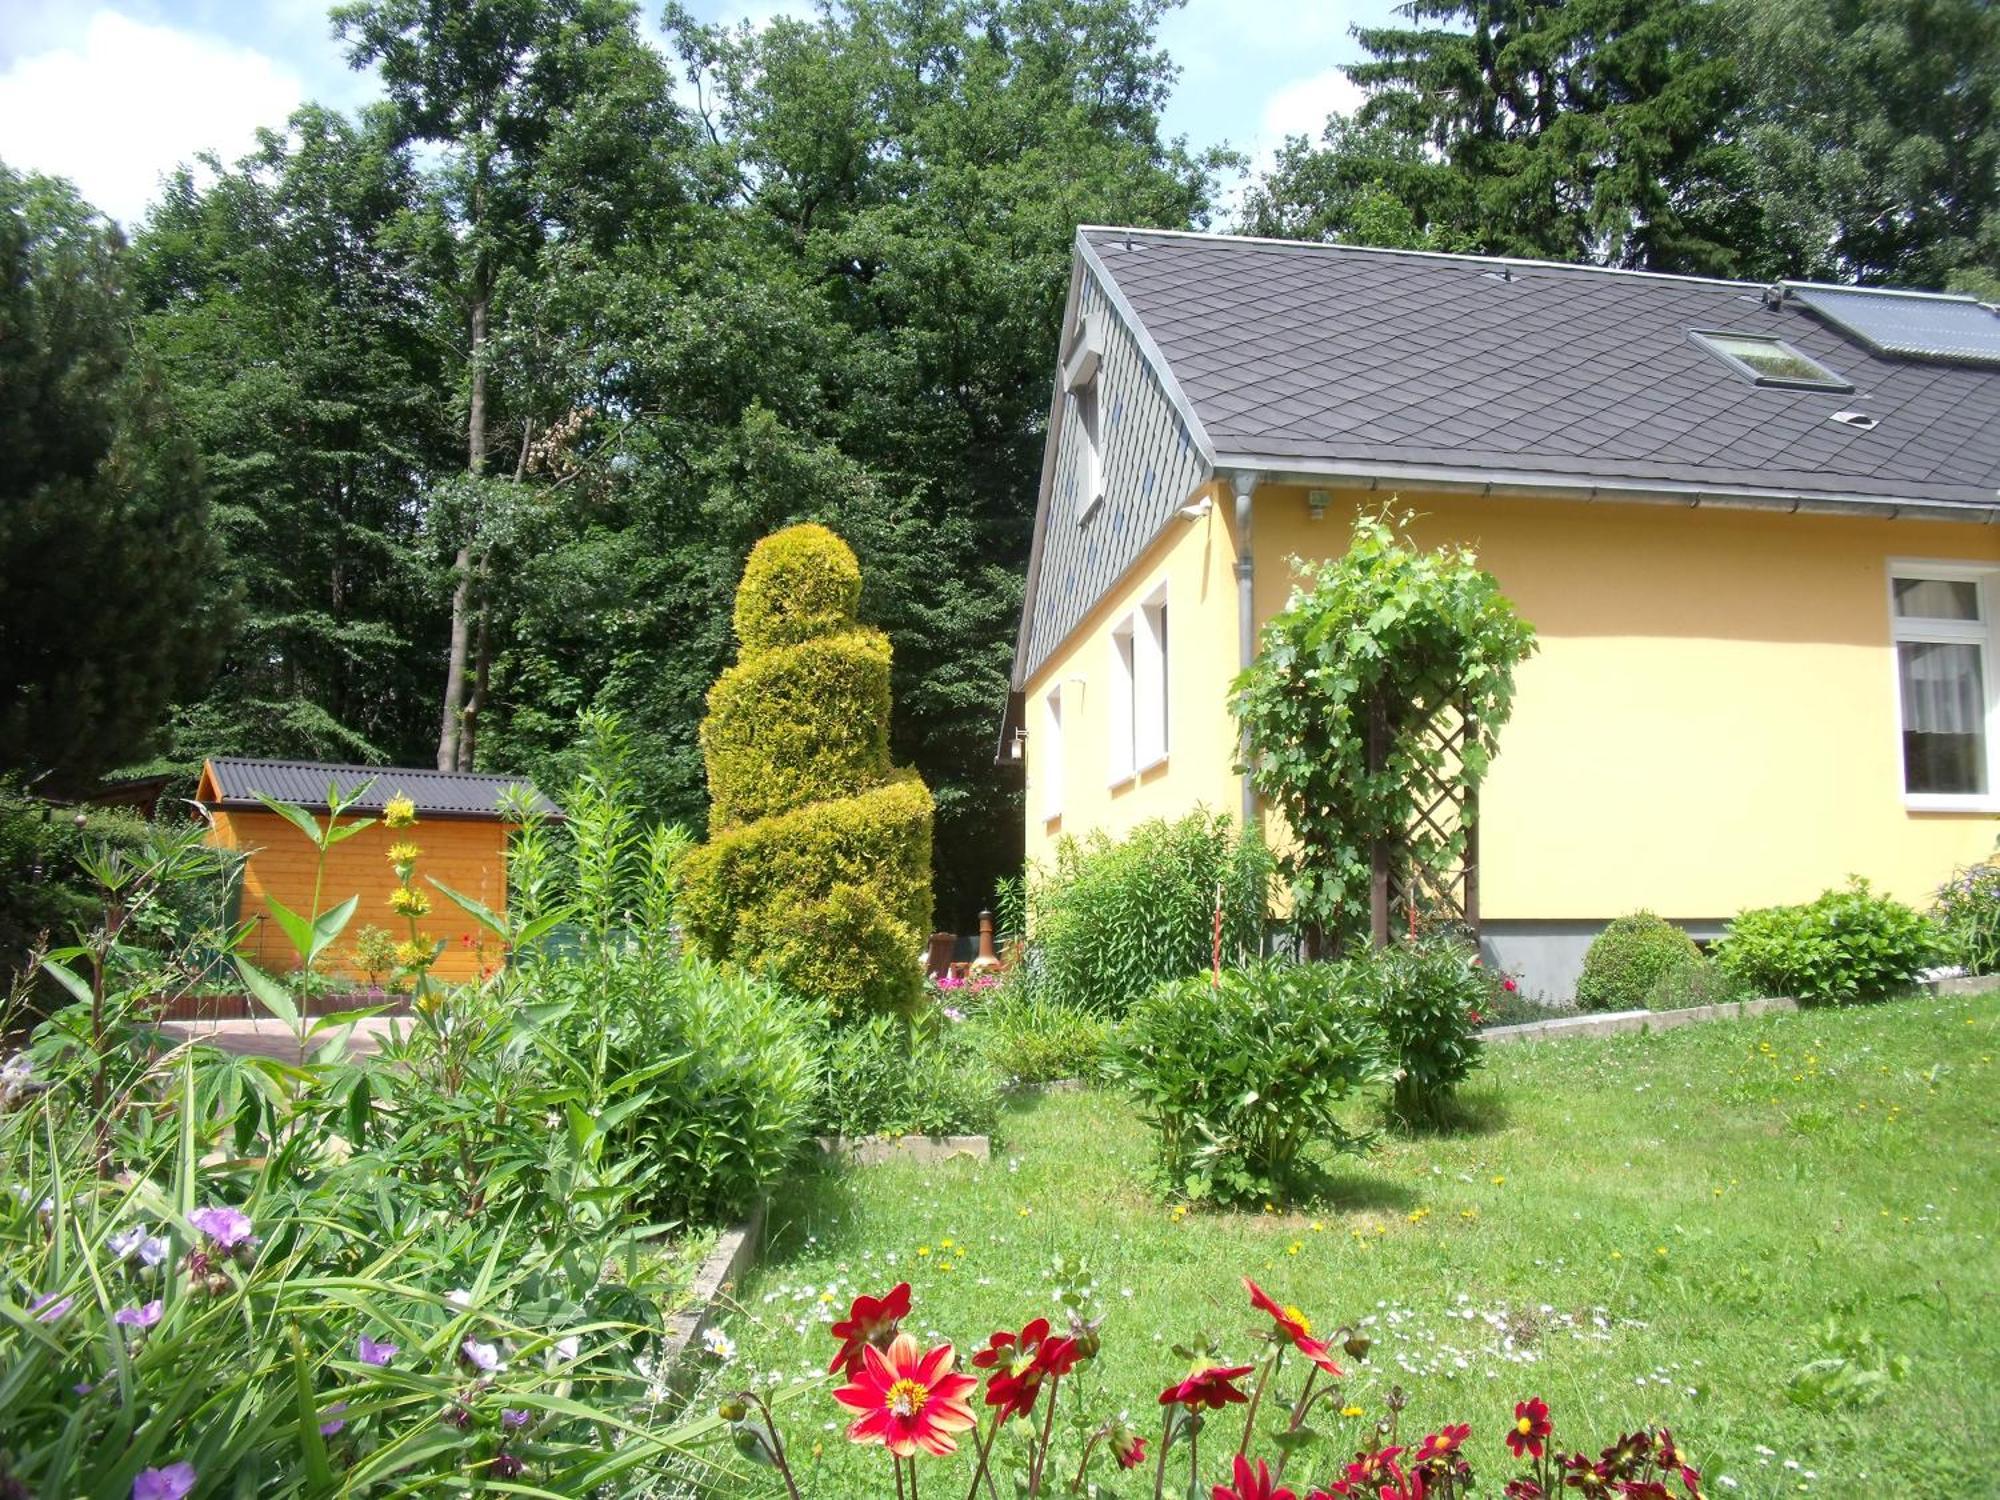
x,y
437,794
1293,353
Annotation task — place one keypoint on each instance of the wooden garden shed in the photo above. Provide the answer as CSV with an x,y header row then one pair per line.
x,y
460,828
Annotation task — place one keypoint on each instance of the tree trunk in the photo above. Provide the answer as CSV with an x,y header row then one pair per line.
x,y
450,726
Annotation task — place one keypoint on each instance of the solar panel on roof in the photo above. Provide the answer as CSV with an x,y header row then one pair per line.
x,y
1909,325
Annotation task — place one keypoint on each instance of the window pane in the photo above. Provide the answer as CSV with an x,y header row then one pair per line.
x,y
1937,599
1771,359
1944,716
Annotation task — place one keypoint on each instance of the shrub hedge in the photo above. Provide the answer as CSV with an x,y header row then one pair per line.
x,y
1850,944
1628,958
817,870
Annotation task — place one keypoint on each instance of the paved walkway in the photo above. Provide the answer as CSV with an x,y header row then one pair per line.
x,y
265,1037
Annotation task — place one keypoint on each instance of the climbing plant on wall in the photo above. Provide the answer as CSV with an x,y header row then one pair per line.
x,y
1340,708
817,868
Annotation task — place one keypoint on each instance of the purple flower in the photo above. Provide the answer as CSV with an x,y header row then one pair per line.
x,y
484,1358
227,1227
953,1013
513,1417
331,1420
170,1483
506,1466
136,1244
138,1317
83,1388
371,1353
51,1307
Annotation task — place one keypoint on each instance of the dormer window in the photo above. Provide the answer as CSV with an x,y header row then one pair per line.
x,y
1083,378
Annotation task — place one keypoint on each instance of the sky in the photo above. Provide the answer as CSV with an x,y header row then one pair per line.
x,y
113,94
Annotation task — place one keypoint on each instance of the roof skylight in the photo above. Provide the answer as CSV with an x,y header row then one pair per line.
x,y
1771,361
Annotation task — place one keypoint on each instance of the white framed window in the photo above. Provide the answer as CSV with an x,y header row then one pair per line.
x,y
1941,626
1050,761
1137,707
1083,369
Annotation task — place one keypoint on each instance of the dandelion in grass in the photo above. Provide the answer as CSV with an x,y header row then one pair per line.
x,y
909,1399
171,1482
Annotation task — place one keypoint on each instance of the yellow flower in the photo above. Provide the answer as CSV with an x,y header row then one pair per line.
x,y
403,854
1350,1411
414,955
923,1249
1499,1181
1317,1227
1617,1254
399,812
410,901
1294,1248
1177,1212
1661,1250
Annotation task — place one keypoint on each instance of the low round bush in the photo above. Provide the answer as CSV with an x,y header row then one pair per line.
x,y
1628,958
1237,1077
1850,944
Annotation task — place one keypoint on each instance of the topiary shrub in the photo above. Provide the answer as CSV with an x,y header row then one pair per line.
x,y
1628,958
1850,944
817,870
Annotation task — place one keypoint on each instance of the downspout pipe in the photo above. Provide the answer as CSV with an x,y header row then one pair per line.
x,y
1244,483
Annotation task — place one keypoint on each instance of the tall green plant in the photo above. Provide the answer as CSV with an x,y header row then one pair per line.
x,y
1114,918
1389,636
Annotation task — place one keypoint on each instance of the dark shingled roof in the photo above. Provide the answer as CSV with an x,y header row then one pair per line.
x,y
437,794
1290,353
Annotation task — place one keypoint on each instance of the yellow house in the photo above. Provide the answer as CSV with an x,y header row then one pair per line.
x,y
460,828
1752,526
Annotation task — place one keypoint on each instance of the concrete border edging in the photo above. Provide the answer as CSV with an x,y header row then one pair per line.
x,y
1616,1022
924,1150
680,1358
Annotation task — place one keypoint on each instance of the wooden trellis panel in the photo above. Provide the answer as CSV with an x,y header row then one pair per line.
x,y
1432,874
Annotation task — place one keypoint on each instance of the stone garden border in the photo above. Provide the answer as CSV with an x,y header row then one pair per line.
x,y
681,1357
924,1150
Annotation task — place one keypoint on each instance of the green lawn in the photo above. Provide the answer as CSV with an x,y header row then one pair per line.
x,y
1648,1229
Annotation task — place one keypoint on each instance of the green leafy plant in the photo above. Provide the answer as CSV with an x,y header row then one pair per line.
x,y
1853,1370
1425,995
1114,918
1030,1039
1967,914
1703,982
1849,944
1628,958
891,1077
1375,644
1238,1073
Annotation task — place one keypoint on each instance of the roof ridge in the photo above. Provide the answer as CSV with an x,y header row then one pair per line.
x,y
355,766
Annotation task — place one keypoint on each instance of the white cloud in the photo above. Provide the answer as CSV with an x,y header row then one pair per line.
x,y
1301,108
126,101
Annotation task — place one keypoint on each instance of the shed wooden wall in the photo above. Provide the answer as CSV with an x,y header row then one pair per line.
x,y
469,855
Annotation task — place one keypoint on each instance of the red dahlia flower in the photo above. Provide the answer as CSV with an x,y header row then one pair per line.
x,y
1293,1325
1442,1443
907,1399
871,1320
1127,1446
1252,1484
1213,1387
1020,1363
1531,1427
1522,1489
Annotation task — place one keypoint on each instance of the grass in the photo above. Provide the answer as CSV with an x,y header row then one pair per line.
x,y
1642,1229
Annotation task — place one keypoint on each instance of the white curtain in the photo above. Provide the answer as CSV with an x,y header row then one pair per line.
x,y
1942,688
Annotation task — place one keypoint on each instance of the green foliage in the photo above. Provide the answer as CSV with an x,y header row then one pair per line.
x,y
887,1076
1702,982
1627,959
1875,133
1849,944
1030,1039
1113,919
818,871
1852,1371
1422,994
1388,634
1238,1078
799,585
1967,913
109,607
